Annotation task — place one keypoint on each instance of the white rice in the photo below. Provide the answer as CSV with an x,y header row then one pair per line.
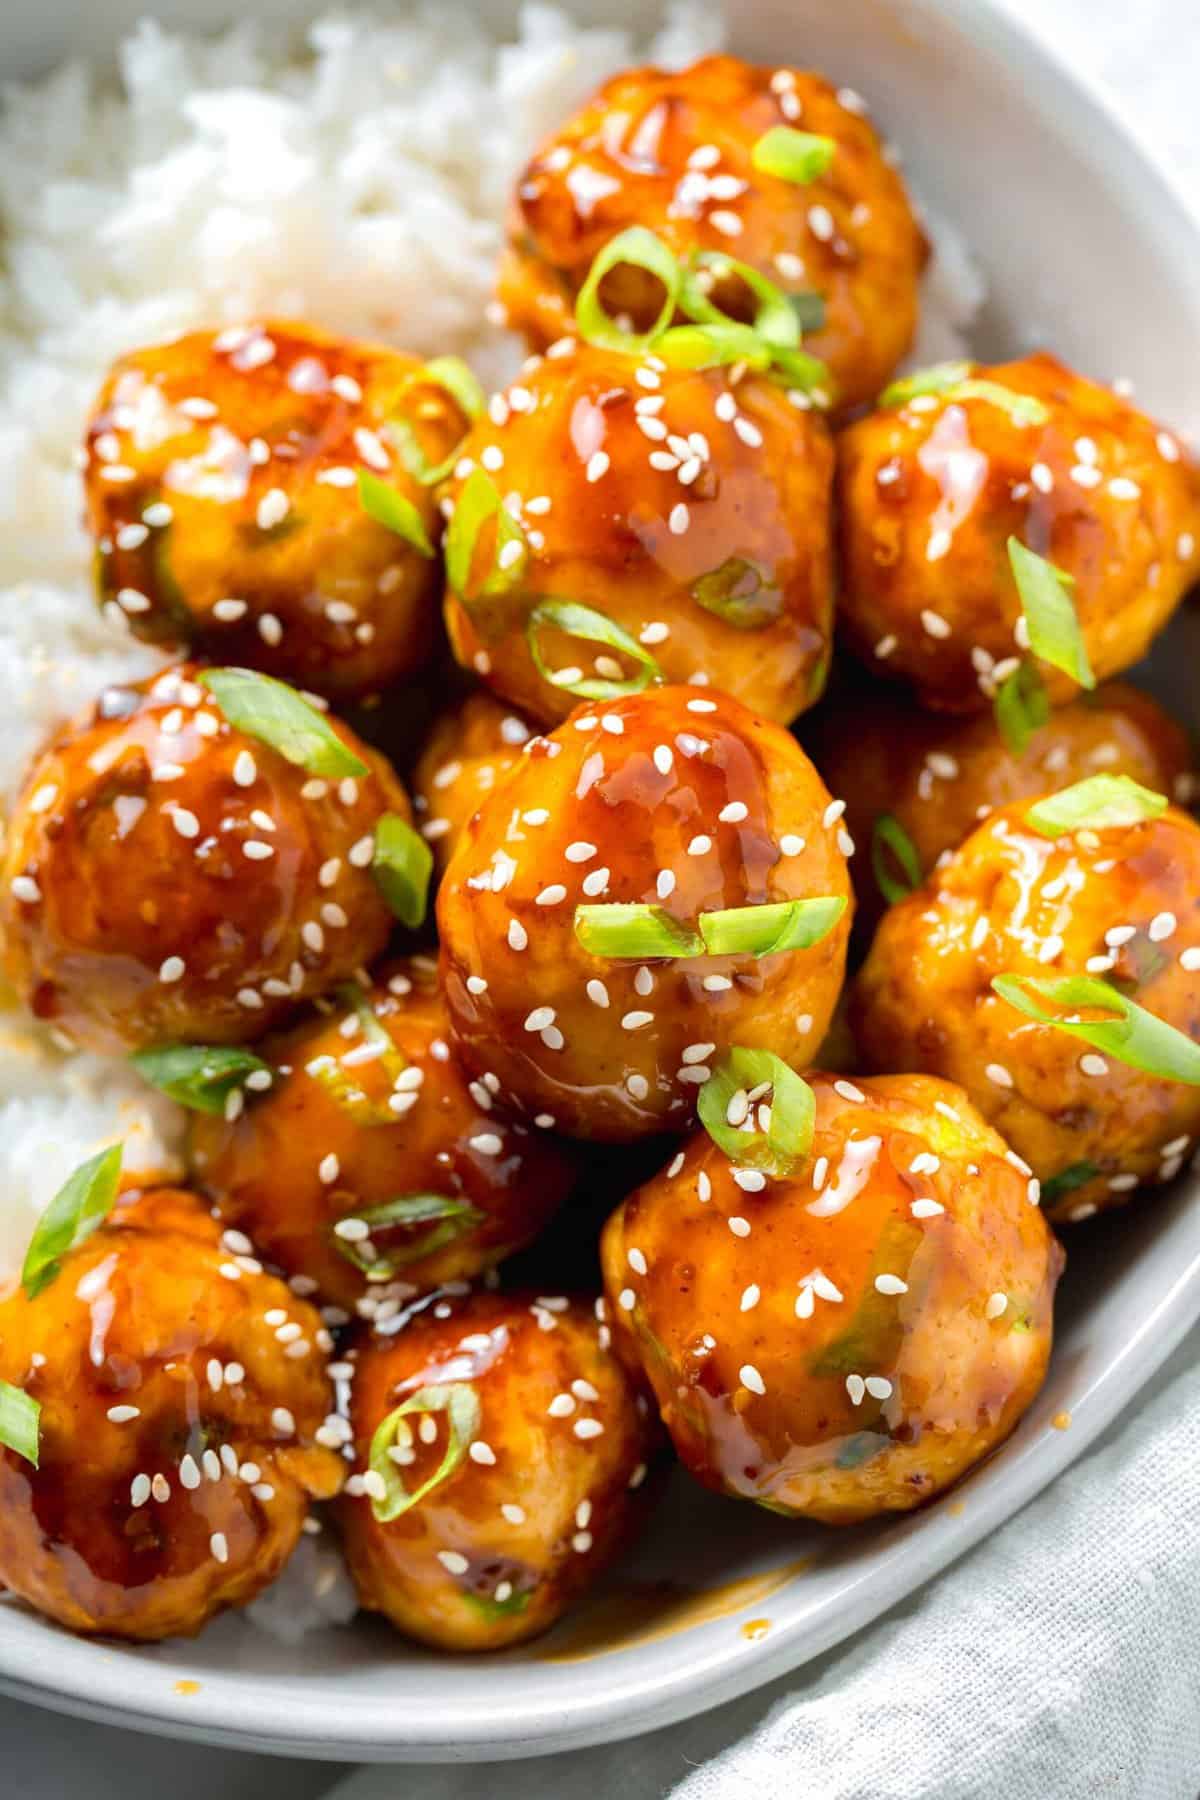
x,y
358,180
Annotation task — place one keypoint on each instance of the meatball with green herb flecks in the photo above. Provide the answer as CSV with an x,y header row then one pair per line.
x,y
469,749
171,874
771,165
374,1167
1051,966
223,476
183,1426
851,1332
662,876
994,514
917,783
615,523
498,1444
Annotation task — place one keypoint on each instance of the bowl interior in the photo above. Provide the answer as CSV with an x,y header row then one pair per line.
x,y
719,1596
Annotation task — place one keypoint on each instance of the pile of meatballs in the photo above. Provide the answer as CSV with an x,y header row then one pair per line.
x,y
828,1251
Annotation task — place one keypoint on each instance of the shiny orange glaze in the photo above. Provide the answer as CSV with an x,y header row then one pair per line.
x,y
562,1440
1012,901
940,776
931,491
624,803
635,495
154,1312
471,746
127,850
673,152
221,481
759,1320
335,1136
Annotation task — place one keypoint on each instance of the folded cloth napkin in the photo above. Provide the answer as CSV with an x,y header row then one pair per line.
x,y
1059,1661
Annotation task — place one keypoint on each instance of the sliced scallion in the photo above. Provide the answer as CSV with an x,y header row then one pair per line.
x,y
199,1076
446,1218
402,865
788,1137
639,249
768,930
1021,706
398,514
1054,632
799,156
1134,1037
477,504
593,627
278,716
78,1209
19,1418
453,375
889,838
460,1403
634,930
740,594
1102,802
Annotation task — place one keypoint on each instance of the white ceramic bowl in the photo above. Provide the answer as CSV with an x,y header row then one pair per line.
x,y
1045,181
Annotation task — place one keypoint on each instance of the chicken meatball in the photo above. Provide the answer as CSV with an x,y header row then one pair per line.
x,y
852,1337
661,877
712,158
686,515
222,491
934,778
181,1393
167,876
497,1440
1115,904
934,485
372,1161
471,746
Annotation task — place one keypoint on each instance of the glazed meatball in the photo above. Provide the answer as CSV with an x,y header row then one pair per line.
x,y
181,1393
1121,904
471,746
222,494
932,488
497,1440
690,511
687,809
937,777
372,1160
167,877
851,1338
683,153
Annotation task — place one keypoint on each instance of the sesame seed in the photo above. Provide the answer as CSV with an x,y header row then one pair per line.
x,y
587,1428
219,1546
878,1386
856,1387
750,1297
750,1378
998,1075
171,969
934,624
1161,927
678,519
926,1209
890,1284
121,1415
453,1561
740,1227
996,1304
552,895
